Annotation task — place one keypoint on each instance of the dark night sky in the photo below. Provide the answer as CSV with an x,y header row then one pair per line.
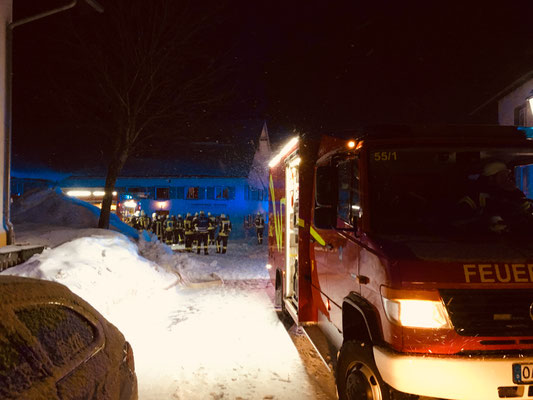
x,y
305,64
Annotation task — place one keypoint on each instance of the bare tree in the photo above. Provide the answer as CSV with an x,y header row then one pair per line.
x,y
146,66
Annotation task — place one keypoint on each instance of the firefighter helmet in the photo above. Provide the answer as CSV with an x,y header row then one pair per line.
x,y
494,167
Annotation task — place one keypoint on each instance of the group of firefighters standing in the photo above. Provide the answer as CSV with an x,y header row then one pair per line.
x,y
198,230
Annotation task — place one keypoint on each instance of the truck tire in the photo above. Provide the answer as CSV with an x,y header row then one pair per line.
x,y
357,376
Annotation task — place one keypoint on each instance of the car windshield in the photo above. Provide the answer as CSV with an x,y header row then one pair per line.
x,y
417,191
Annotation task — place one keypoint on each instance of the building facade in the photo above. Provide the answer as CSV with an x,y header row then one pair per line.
x,y
221,179
232,196
515,107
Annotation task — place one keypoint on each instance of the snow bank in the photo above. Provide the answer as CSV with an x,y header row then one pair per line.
x,y
190,342
53,208
106,271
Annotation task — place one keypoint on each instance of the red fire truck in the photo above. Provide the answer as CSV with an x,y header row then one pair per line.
x,y
369,254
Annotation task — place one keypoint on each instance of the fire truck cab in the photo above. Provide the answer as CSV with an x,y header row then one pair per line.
x,y
399,246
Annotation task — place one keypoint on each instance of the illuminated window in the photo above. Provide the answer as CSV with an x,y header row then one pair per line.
x,y
162,193
224,192
192,193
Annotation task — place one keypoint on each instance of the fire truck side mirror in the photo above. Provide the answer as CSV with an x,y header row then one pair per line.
x,y
325,201
325,190
324,217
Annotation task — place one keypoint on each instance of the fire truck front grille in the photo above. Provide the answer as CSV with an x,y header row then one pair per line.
x,y
490,312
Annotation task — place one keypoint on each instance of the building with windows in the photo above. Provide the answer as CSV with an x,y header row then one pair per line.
x,y
215,177
515,107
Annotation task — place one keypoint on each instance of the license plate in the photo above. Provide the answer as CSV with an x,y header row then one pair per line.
x,y
523,373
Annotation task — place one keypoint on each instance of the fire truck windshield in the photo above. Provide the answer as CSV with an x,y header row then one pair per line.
x,y
451,191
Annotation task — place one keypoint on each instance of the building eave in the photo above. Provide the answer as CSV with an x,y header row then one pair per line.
x,y
505,91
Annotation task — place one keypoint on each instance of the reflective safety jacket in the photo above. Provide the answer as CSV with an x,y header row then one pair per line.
x,y
259,222
224,227
144,222
169,224
188,225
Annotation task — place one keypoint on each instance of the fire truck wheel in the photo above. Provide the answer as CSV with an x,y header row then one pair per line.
x,y
357,375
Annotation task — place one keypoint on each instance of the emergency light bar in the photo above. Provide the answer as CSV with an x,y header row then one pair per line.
x,y
283,152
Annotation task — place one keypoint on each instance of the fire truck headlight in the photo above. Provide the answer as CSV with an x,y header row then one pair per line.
x,y
417,313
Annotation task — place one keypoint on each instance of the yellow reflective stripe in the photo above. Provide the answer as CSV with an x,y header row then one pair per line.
x,y
483,199
277,215
468,201
317,237
301,222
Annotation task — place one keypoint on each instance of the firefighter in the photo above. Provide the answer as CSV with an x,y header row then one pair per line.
x,y
179,236
201,227
224,229
494,202
152,222
133,221
259,223
195,235
211,228
189,232
143,222
169,229
157,226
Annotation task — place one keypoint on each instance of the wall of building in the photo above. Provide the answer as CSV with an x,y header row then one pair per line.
x,y
513,103
169,195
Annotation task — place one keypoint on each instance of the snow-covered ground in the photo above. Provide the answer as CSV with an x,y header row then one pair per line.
x,y
202,327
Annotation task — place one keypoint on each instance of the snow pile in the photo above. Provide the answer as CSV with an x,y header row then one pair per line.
x,y
106,271
205,341
53,208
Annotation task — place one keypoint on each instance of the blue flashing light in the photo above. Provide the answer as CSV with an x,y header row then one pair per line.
x,y
528,131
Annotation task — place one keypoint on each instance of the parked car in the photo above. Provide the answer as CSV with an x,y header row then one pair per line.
x,y
54,345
